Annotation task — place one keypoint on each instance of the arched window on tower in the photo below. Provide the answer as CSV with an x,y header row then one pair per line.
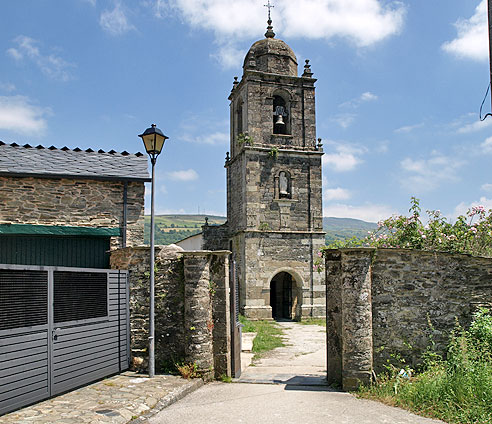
x,y
280,116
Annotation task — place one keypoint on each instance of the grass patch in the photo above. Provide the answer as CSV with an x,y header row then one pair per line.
x,y
313,321
457,389
248,326
268,335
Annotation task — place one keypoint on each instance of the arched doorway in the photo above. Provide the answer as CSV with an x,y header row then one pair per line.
x,y
283,296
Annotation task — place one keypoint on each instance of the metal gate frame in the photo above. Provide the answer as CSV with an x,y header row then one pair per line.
x,y
45,360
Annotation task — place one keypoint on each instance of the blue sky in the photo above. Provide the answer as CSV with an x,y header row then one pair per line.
x,y
398,92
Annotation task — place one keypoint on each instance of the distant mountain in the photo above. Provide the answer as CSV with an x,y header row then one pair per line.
x,y
172,228
345,228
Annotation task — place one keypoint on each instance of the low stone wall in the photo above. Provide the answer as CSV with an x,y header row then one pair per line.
x,y
388,301
191,307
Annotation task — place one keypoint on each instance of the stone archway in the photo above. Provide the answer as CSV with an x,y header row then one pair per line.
x,y
285,299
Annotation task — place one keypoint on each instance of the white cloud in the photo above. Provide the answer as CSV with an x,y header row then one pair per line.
x,y
51,65
345,157
463,207
487,145
336,194
472,39
486,187
408,128
368,97
367,212
364,97
362,22
215,138
115,21
475,126
20,115
229,56
427,174
185,175
344,119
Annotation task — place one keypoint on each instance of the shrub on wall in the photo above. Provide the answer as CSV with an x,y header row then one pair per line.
x,y
470,233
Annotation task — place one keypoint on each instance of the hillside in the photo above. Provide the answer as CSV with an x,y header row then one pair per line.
x,y
345,228
172,228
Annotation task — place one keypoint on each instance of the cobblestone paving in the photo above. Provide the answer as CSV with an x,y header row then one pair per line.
x,y
119,399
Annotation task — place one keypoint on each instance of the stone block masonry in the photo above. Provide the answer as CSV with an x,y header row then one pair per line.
x,y
391,301
191,307
73,202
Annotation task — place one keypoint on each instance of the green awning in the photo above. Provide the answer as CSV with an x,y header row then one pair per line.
x,y
42,230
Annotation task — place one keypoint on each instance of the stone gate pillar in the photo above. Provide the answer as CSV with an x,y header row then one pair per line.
x,y
198,322
333,267
356,303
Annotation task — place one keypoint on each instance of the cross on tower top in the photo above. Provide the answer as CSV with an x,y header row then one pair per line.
x,y
269,33
269,6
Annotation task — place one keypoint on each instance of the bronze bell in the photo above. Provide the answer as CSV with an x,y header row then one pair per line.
x,y
280,120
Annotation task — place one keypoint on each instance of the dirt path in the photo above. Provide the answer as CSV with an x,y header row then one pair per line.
x,y
301,361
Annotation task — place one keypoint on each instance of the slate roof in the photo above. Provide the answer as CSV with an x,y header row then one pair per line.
x,y
45,162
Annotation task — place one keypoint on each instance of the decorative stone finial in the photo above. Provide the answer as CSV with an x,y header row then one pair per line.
x,y
206,221
269,33
307,70
320,144
227,157
234,84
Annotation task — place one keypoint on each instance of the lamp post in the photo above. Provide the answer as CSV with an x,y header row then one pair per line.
x,y
153,140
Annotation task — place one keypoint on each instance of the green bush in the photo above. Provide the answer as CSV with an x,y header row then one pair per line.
x,y
470,233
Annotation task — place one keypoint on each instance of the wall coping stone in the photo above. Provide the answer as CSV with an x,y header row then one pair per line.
x,y
205,252
418,251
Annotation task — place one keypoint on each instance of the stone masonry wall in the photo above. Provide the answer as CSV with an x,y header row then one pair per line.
x,y
88,203
389,301
268,253
191,307
411,289
215,237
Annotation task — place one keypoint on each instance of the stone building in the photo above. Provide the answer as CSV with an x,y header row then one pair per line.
x,y
274,193
69,207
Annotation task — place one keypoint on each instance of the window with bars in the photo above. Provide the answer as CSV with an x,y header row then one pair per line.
x,y
23,298
79,295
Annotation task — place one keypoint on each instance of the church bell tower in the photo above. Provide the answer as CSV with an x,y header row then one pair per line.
x,y
274,193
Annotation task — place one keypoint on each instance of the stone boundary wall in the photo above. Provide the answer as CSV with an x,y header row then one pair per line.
x,y
72,202
215,237
390,301
192,314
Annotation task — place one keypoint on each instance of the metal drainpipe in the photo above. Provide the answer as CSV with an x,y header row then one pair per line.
x,y
125,212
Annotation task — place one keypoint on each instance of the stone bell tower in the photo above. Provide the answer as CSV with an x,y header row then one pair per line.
x,y
274,194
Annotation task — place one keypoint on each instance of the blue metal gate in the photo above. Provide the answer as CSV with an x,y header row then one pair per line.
x,y
60,328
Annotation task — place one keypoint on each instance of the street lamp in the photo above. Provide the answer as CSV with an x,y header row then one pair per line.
x,y
153,140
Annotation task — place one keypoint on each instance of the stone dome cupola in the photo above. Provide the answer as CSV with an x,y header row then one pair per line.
x,y
271,55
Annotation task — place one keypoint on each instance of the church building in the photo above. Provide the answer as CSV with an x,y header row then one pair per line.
x,y
274,222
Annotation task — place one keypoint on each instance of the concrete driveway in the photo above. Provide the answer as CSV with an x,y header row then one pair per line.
x,y
286,386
